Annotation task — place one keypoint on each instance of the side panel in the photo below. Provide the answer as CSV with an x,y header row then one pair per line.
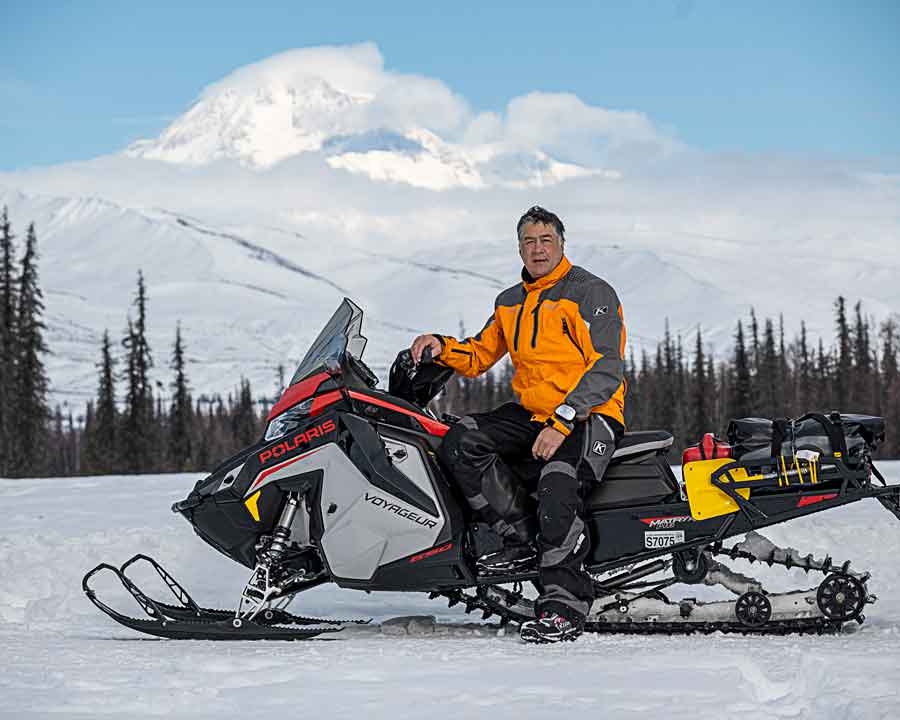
x,y
364,526
637,533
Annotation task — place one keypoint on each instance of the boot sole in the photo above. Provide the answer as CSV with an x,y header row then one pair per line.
x,y
533,637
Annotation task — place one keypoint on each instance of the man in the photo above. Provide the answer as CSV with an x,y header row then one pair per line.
x,y
564,330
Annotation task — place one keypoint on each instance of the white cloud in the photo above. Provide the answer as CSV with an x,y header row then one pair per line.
x,y
350,69
565,126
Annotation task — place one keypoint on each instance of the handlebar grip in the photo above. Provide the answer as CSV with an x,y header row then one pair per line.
x,y
427,359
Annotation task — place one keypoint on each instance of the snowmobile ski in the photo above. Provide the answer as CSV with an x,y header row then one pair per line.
x,y
189,621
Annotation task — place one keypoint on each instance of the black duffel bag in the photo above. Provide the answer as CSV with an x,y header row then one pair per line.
x,y
760,440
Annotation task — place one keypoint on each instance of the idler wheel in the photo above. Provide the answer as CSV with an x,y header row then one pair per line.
x,y
753,609
841,597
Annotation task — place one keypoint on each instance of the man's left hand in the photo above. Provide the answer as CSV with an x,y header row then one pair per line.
x,y
547,443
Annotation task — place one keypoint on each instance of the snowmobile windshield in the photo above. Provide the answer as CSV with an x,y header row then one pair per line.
x,y
341,334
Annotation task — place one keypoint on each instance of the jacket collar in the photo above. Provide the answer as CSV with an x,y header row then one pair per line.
x,y
549,279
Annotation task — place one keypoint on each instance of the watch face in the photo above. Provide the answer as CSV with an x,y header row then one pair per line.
x,y
566,412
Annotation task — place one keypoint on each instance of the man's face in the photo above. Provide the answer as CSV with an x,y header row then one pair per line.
x,y
540,249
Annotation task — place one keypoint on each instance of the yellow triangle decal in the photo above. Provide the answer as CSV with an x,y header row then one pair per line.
x,y
251,503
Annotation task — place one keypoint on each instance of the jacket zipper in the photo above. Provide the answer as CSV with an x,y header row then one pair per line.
x,y
518,323
568,334
537,309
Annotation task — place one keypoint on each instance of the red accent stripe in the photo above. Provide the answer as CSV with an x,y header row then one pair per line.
x,y
813,499
430,553
432,426
649,521
323,401
265,473
297,393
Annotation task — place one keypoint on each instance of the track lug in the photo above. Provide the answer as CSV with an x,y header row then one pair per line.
x,y
860,619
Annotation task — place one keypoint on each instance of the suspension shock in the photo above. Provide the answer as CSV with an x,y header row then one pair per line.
x,y
262,587
282,532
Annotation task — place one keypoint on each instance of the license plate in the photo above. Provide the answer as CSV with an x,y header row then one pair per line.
x,y
663,539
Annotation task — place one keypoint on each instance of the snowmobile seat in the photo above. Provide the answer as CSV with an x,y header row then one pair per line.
x,y
638,474
634,444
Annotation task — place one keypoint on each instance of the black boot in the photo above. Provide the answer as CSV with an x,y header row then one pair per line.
x,y
513,558
549,628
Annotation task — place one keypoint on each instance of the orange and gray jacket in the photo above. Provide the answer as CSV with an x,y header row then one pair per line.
x,y
565,335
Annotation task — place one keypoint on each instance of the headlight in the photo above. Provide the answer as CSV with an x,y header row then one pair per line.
x,y
288,420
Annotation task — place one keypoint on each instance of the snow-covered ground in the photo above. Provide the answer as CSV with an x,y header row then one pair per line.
x,y
62,658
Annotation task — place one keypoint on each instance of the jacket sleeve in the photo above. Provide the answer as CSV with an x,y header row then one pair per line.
x,y
474,355
602,335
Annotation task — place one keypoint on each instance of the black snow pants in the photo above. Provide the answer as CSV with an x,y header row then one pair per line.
x,y
489,457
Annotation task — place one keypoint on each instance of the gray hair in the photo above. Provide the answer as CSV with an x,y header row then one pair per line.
x,y
537,214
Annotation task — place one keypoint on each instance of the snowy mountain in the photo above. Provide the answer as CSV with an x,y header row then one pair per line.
x,y
305,102
249,297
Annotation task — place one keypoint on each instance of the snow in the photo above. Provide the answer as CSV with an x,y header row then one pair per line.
x,y
63,658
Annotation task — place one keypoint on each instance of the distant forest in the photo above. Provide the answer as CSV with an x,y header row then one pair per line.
x,y
129,428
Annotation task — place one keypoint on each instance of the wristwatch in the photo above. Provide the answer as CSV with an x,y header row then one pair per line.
x,y
566,413
563,419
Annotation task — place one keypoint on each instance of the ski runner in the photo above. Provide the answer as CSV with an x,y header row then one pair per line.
x,y
564,331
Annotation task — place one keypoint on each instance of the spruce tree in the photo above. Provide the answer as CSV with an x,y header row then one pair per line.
x,y
861,396
28,443
786,387
703,385
805,389
825,380
890,374
137,430
244,424
8,342
84,466
844,365
667,410
102,453
768,376
741,387
180,413
633,393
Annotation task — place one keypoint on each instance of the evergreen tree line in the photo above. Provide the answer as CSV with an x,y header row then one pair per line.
x,y
23,378
153,432
130,427
766,376
688,392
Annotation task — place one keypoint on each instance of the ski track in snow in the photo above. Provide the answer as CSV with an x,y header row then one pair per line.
x,y
63,658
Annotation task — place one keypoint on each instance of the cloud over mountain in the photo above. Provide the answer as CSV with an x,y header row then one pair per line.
x,y
342,103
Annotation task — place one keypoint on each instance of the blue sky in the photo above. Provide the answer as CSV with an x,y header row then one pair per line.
x,y
81,79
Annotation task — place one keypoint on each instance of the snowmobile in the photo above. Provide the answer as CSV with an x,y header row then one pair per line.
x,y
346,487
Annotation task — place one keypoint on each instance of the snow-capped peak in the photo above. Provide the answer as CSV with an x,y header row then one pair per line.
x,y
341,103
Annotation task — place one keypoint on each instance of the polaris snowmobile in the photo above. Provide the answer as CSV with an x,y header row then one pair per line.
x,y
346,486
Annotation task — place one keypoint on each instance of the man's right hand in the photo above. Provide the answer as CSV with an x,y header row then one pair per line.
x,y
422,342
